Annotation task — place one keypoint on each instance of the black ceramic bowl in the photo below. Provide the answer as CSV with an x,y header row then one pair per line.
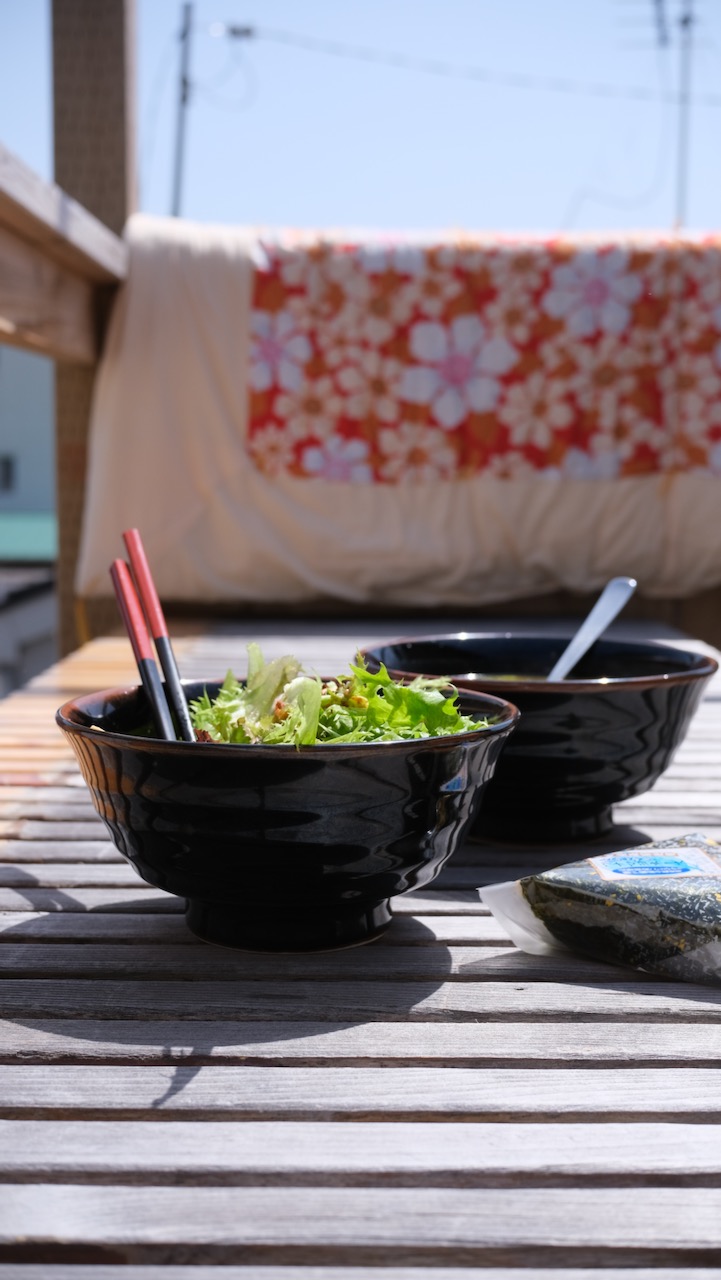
x,y
277,848
582,744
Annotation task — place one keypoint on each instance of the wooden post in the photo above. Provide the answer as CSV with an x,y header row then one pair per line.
x,y
94,137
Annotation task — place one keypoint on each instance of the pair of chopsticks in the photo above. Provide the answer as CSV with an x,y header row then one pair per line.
x,y
134,616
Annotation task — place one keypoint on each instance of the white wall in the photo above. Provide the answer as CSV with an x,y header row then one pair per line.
x,y
27,429
28,622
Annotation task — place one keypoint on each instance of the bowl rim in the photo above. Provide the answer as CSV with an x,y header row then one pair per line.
x,y
510,716
708,666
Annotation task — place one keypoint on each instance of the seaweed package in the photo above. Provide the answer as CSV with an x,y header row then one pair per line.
x,y
656,908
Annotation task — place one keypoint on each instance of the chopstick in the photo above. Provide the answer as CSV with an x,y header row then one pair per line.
x,y
132,613
159,630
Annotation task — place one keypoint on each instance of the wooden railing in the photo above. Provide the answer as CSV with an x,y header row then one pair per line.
x,y
60,268
58,264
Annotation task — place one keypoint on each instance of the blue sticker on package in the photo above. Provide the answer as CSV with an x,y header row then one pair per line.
x,y
656,908
675,861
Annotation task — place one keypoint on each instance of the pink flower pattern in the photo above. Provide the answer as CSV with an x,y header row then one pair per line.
x,y
393,362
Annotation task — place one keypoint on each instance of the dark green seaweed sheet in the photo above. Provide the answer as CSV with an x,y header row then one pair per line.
x,y
662,923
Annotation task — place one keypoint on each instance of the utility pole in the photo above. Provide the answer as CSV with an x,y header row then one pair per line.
x,y
686,22
183,99
661,23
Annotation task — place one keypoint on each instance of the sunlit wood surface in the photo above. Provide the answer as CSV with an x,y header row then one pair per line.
x,y
447,1107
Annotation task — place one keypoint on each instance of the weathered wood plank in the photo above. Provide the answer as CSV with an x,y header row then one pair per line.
x,y
517,1094
689,818
342,1044
370,1001
30,800
41,213
77,926
682,777
189,963
65,1271
144,898
139,899
17,812
27,720
297,1153
18,773
120,874
480,872
44,307
76,875
73,926
59,851
705,729
653,827
700,752
87,872
44,831
477,849
34,752
676,798
117,873
643,1226
46,852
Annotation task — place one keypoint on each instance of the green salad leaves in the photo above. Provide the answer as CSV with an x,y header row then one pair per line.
x,y
279,704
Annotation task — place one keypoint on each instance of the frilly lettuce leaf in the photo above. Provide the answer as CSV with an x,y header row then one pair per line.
x,y
279,705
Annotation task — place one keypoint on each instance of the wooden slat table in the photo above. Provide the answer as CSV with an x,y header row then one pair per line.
x,y
436,1105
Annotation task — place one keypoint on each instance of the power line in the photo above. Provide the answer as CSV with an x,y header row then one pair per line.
x,y
183,99
152,109
598,195
686,23
236,63
662,31
453,71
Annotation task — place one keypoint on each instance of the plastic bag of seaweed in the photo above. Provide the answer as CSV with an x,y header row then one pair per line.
x,y
656,907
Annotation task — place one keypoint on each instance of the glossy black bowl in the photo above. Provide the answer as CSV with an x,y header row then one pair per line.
x,y
582,744
277,848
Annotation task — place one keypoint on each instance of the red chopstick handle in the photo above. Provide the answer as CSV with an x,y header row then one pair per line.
x,y
156,619
144,579
129,606
142,648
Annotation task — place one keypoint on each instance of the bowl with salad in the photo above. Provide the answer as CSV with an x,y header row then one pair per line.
x,y
604,734
305,804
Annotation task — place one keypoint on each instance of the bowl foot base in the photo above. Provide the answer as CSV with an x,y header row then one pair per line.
x,y
285,929
542,828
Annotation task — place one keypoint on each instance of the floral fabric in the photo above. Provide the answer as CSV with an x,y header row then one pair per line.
x,y
377,369
392,363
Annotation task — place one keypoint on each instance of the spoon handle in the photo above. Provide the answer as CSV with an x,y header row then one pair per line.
x,y
609,604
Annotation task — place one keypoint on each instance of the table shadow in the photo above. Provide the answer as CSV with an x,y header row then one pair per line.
x,y
223,1037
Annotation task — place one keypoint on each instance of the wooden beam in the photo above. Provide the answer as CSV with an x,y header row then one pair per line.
x,y
94,144
44,307
94,97
57,263
40,213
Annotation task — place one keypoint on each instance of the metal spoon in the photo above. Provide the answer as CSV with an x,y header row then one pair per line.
x,y
609,604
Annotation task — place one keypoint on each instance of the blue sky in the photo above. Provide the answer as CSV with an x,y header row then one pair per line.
x,y
282,136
